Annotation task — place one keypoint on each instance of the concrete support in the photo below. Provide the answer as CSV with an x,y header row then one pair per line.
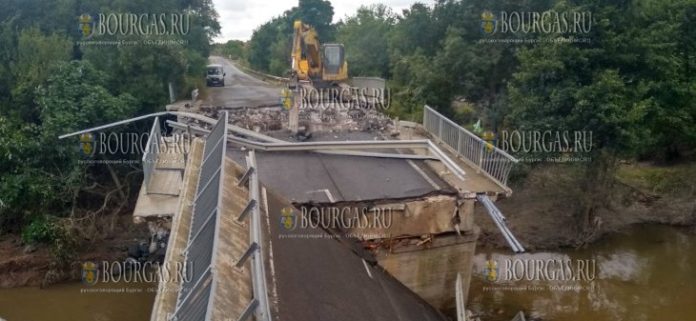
x,y
422,248
430,215
466,214
430,270
294,112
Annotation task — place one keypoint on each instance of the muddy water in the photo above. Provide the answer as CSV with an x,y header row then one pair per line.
x,y
78,302
646,273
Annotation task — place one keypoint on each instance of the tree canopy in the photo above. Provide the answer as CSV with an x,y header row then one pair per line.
x,y
631,81
50,84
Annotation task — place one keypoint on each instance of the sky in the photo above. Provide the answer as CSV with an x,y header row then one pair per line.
x,y
239,18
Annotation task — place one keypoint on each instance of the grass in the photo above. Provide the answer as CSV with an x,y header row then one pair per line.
x,y
676,179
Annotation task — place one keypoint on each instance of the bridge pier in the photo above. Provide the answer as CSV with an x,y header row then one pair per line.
x,y
422,248
429,265
431,271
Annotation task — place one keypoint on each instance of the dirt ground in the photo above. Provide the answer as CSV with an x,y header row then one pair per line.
x,y
21,265
541,213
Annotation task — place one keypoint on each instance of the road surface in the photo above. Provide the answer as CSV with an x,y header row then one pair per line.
x,y
306,176
241,90
319,277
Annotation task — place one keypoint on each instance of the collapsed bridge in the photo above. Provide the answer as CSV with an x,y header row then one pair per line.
x,y
224,199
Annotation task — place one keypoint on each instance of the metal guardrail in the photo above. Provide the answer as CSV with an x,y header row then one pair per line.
x,y
341,147
259,74
499,221
151,151
194,298
494,162
459,299
259,304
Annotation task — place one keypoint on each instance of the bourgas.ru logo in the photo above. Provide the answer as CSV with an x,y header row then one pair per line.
x,y
90,274
540,270
125,24
576,22
288,219
132,143
337,218
490,272
87,144
134,271
525,141
344,98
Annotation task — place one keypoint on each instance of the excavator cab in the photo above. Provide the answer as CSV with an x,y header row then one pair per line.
x,y
334,62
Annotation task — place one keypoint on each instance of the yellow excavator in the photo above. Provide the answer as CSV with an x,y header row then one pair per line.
x,y
322,65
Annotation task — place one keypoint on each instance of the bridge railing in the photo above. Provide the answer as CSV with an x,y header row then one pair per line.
x,y
196,291
259,305
484,156
151,151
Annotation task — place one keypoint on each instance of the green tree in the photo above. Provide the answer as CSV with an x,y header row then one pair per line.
x,y
271,43
316,13
36,53
41,174
261,42
412,33
235,49
44,94
365,37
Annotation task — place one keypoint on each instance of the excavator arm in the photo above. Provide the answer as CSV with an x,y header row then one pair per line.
x,y
306,55
314,62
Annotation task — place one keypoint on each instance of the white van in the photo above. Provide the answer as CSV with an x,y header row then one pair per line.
x,y
215,75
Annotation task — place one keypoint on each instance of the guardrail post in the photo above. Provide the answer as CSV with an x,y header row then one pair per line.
x,y
480,160
459,142
439,128
151,152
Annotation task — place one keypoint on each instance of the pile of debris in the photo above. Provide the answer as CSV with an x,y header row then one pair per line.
x,y
270,119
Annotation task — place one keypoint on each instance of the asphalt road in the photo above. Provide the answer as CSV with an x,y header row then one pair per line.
x,y
311,177
315,276
241,90
306,176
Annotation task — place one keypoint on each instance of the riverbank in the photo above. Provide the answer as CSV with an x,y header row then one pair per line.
x,y
24,265
542,212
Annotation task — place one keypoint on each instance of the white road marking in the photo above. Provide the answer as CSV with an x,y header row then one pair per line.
x,y
265,200
367,269
422,173
425,176
270,244
327,192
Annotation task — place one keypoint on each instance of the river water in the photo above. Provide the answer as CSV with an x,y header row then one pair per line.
x,y
644,273
78,302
